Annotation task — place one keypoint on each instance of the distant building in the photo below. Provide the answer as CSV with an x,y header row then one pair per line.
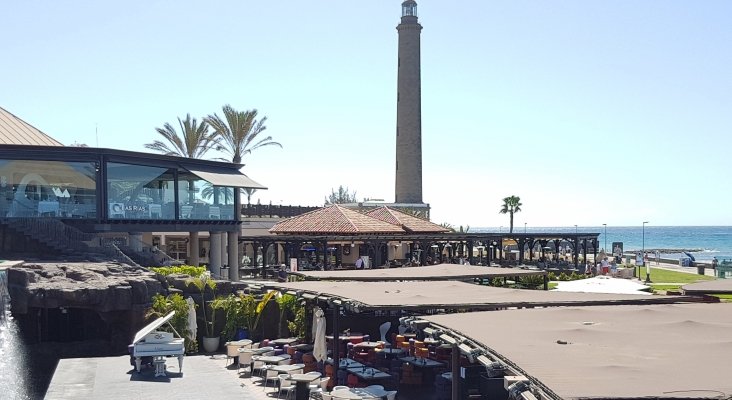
x,y
83,191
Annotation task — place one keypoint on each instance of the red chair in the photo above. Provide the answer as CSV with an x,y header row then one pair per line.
x,y
352,380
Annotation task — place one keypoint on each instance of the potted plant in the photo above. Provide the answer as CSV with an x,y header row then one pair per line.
x,y
210,340
232,307
252,310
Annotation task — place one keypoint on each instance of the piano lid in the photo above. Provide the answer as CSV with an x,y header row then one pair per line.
x,y
152,326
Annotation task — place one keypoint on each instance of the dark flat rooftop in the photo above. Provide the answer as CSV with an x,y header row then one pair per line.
x,y
426,273
669,351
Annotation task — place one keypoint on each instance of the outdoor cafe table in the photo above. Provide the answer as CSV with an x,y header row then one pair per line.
x,y
368,374
284,341
422,362
426,363
391,352
302,384
370,345
256,351
345,338
271,359
345,363
287,368
358,393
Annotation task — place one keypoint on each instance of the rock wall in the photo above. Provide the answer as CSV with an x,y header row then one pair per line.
x,y
103,287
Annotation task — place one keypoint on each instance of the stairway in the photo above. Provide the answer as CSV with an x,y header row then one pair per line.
x,y
66,240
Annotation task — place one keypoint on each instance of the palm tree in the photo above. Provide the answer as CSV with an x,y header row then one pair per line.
x,y
193,141
239,133
511,204
249,192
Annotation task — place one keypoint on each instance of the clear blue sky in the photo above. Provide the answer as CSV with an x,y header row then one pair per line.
x,y
592,112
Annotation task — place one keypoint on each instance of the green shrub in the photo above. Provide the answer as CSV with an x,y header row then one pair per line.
x,y
532,281
552,276
497,282
194,272
162,306
563,277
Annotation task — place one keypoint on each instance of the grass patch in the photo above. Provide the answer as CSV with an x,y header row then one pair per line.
x,y
553,285
724,297
661,276
662,286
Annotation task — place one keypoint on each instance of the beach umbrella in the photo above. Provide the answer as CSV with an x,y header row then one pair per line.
x,y
319,346
192,324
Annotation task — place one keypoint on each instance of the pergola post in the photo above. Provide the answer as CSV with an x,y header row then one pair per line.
x,y
455,366
336,339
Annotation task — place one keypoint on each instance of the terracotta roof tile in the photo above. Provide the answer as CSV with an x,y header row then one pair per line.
x,y
334,219
410,223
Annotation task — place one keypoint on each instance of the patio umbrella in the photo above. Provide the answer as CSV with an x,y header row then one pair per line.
x,y
192,325
319,345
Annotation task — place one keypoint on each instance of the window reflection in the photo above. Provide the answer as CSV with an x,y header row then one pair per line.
x,y
201,200
140,192
35,188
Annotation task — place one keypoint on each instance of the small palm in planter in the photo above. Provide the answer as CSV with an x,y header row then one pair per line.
x,y
210,340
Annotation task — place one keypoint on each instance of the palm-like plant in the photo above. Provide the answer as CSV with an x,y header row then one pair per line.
x,y
511,205
193,141
201,283
239,133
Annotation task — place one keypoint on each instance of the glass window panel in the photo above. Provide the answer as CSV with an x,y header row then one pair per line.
x,y
35,188
201,200
140,192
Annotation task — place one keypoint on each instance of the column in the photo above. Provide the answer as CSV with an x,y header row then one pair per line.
x,y
224,253
215,253
193,249
136,241
233,238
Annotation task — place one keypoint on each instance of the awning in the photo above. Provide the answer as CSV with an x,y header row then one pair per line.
x,y
233,179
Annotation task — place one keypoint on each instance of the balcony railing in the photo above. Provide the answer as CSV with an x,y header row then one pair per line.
x,y
274,211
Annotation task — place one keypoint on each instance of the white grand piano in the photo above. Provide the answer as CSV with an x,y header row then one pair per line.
x,y
149,342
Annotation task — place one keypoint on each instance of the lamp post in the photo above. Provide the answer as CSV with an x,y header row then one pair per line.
x,y
643,253
575,229
524,228
605,236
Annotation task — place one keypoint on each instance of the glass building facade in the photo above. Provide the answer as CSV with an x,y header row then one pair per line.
x,y
68,189
147,192
37,188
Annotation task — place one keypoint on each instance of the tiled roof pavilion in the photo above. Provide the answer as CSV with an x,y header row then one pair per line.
x,y
14,130
334,219
410,223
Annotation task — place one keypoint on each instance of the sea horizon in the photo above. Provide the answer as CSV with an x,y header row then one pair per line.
x,y
704,242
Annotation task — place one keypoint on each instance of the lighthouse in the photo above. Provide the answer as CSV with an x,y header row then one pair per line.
x,y
409,109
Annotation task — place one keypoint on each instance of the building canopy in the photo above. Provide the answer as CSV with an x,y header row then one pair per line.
x,y
670,351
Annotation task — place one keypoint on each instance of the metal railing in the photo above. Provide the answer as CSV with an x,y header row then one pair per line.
x,y
52,229
274,211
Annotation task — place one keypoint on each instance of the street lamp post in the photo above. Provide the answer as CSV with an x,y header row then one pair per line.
x,y
643,253
524,228
605,236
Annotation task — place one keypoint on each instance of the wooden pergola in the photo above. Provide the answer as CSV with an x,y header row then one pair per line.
x,y
425,245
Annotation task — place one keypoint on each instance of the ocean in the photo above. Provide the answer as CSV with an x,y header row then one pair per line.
x,y
705,241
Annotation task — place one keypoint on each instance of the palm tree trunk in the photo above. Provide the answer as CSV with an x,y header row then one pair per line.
x,y
511,226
